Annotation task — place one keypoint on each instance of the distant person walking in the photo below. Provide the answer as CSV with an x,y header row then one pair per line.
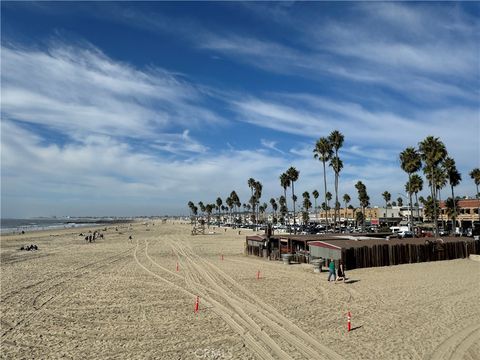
x,y
340,272
331,270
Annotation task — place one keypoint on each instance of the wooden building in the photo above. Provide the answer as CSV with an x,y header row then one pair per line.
x,y
361,251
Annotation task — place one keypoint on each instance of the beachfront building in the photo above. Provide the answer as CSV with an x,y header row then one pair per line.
x,y
377,216
467,214
358,251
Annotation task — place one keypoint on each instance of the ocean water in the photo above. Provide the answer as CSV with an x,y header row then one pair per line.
x,y
19,225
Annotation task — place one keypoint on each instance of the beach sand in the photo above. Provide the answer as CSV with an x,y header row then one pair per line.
x,y
123,299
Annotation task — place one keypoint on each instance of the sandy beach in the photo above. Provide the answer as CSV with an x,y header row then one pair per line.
x,y
124,299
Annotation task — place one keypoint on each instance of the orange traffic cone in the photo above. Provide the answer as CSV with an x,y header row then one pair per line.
x,y
197,301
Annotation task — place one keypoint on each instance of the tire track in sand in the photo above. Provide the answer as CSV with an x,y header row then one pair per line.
x,y
455,346
229,317
267,315
64,278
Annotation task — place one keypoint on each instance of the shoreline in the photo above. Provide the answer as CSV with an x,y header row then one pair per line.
x,y
57,227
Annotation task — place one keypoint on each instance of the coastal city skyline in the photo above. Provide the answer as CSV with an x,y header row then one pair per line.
x,y
126,109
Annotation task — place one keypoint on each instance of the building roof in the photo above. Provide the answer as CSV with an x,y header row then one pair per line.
x,y
465,203
324,244
346,241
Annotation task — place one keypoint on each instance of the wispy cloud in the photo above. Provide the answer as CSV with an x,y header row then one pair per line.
x,y
75,176
310,116
270,145
178,144
423,52
80,90
80,127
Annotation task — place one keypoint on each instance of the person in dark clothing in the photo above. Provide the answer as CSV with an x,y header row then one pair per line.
x,y
340,272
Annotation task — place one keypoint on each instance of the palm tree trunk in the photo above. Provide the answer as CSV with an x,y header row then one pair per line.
x,y
418,206
454,217
336,201
478,211
410,197
325,192
386,211
363,220
293,199
433,188
440,200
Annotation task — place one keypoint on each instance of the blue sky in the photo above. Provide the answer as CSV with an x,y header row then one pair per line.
x,y
137,108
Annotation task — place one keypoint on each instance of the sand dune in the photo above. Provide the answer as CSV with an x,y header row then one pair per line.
x,y
124,299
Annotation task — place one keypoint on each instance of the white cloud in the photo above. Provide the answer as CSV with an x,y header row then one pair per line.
x,y
104,169
270,145
126,136
81,90
103,175
426,53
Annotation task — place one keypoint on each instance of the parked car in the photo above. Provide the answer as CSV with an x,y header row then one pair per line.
x,y
405,234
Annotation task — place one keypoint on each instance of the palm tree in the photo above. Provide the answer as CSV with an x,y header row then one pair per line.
x,y
293,176
337,166
360,218
410,162
257,194
400,201
274,210
387,197
475,175
336,139
264,207
251,184
323,151
454,178
201,206
451,205
283,208
229,201
429,207
315,197
416,185
364,200
235,202
191,206
440,176
209,208
261,210
306,204
432,152
346,200
328,196
219,205
285,183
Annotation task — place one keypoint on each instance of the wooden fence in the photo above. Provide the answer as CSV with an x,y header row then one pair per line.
x,y
395,254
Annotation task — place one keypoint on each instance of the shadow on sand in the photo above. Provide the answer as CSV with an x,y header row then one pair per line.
x,y
356,327
351,281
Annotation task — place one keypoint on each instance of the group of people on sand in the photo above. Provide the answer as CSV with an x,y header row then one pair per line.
x,y
338,274
92,237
